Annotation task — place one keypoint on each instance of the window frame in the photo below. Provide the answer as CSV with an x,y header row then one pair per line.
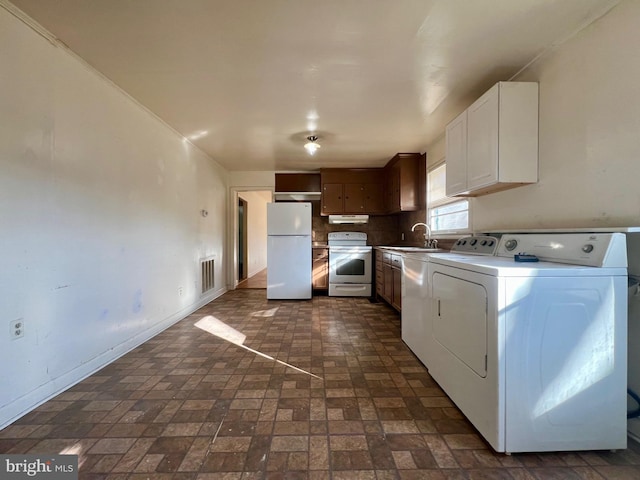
x,y
445,201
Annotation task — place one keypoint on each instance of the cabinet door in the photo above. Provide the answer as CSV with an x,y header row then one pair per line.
x,y
320,268
379,274
456,141
396,299
332,201
482,140
297,182
373,198
387,272
354,198
394,188
409,194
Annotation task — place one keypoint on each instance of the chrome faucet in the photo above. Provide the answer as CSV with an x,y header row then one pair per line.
x,y
428,242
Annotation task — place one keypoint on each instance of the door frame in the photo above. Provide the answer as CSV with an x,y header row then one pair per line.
x,y
232,229
242,240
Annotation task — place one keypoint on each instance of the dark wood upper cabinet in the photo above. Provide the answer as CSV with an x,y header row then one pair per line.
x,y
352,191
354,198
374,197
332,200
406,182
298,182
398,187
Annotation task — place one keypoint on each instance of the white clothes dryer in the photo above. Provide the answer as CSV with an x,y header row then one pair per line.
x,y
534,352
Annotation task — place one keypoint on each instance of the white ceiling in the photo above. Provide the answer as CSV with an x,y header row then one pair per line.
x,y
248,80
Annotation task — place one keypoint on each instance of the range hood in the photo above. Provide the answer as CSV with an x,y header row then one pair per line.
x,y
348,219
296,196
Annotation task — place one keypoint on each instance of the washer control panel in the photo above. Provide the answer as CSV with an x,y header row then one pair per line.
x,y
588,249
477,245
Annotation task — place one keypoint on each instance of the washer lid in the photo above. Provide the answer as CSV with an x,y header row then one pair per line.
x,y
507,267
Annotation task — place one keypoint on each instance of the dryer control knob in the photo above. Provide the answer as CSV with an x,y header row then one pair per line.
x,y
510,244
588,248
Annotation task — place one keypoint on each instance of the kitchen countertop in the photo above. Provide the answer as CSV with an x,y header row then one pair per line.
x,y
409,249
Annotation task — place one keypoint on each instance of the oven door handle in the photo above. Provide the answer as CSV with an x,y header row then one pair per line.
x,y
351,288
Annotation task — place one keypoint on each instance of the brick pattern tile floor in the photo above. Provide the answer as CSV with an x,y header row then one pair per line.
x,y
189,405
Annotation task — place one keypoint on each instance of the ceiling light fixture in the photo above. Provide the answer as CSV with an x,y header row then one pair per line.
x,y
312,145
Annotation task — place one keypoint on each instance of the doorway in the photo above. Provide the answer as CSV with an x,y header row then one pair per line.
x,y
248,231
243,249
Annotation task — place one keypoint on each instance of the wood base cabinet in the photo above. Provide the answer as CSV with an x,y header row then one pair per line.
x,y
320,268
389,278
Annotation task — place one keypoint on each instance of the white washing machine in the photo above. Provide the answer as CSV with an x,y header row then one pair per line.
x,y
416,293
534,353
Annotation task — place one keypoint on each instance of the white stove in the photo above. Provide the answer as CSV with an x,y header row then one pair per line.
x,y
350,264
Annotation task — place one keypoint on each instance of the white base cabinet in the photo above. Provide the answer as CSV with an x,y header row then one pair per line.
x,y
493,145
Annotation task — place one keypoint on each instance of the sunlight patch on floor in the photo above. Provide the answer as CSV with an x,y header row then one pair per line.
x,y
265,313
214,326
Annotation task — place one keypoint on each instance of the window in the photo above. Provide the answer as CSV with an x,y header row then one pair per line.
x,y
444,214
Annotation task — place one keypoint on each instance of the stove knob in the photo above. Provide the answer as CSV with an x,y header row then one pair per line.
x,y
474,241
510,244
484,242
490,243
588,248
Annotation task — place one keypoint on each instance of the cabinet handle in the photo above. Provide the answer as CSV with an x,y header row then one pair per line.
x,y
439,307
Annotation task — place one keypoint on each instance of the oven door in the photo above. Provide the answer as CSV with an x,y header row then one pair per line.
x,y
349,264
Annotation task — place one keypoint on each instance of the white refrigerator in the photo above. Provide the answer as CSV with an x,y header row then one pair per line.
x,y
288,250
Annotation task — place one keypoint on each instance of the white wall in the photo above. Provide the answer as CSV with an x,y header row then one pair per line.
x,y
589,134
589,144
256,229
100,215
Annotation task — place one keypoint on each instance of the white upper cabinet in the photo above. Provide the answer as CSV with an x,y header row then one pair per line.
x,y
493,145
456,178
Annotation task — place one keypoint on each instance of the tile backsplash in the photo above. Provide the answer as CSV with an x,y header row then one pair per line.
x,y
381,229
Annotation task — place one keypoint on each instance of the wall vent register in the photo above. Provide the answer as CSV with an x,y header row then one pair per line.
x,y
207,277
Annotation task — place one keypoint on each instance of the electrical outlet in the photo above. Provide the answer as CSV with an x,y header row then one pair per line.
x,y
180,291
16,329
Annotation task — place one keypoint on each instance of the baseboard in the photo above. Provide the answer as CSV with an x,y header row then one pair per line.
x,y
19,407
